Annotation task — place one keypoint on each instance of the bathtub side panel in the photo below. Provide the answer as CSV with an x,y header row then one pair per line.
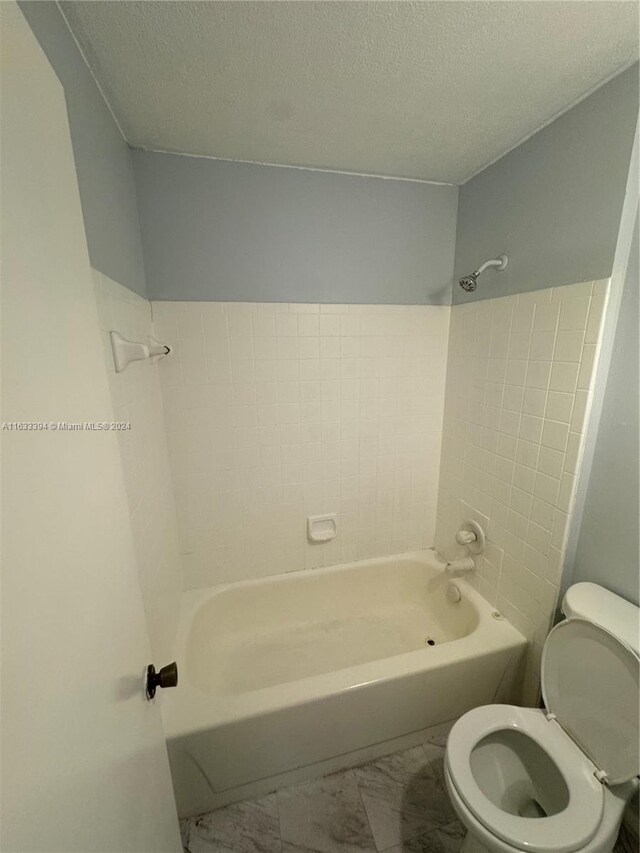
x,y
204,764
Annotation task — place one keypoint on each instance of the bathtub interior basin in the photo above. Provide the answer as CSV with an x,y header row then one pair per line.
x,y
248,637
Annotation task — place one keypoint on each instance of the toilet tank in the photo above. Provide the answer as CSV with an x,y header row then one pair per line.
x,y
599,605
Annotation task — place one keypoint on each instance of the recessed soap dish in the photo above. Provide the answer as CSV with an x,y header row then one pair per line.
x,y
321,528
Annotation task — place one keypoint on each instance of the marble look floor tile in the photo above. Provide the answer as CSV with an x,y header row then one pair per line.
x,y
446,839
396,777
403,797
392,827
248,827
435,755
627,841
325,816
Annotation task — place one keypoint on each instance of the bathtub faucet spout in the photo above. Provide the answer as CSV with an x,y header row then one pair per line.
x,y
463,566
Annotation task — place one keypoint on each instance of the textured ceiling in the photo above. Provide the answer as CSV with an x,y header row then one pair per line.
x,y
430,90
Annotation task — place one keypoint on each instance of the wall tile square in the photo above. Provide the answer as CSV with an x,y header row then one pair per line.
x,y
586,366
286,325
554,435
524,478
579,412
551,462
564,377
531,428
542,345
537,375
542,514
596,312
574,314
568,346
527,453
546,317
534,402
519,345
287,347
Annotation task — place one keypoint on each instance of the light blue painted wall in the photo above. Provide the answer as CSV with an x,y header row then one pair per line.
x,y
217,230
553,204
102,157
608,550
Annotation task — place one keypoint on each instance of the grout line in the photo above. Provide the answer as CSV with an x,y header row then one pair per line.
x,y
276,792
364,807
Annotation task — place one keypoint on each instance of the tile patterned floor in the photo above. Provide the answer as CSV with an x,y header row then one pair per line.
x,y
397,804
628,841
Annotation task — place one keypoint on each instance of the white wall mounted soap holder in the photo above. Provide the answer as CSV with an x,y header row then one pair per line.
x,y
322,528
124,351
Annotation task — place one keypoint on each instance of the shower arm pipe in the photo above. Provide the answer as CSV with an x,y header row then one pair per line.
x,y
499,263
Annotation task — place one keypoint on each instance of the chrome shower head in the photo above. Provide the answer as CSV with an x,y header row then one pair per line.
x,y
470,282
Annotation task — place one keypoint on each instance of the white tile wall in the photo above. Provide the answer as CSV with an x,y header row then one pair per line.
x,y
275,412
278,411
137,398
517,395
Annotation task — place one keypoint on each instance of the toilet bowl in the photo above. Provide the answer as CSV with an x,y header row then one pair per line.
x,y
480,839
555,780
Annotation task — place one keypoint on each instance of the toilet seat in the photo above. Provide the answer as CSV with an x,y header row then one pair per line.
x,y
568,830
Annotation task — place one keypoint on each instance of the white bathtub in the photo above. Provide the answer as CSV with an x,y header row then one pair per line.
x,y
287,677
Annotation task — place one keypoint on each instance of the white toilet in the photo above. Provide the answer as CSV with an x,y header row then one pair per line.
x,y
557,780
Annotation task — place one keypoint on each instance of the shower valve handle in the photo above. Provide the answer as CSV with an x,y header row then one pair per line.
x,y
166,677
466,537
